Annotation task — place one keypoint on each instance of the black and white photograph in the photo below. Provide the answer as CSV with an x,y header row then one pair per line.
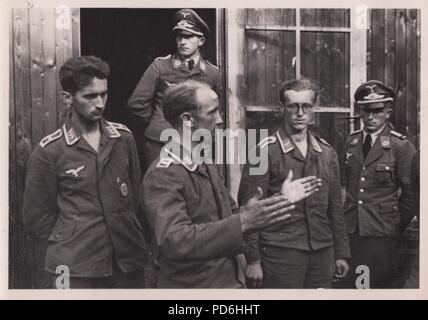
x,y
207,145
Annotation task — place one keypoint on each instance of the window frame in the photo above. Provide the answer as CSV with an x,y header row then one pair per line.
x,y
358,49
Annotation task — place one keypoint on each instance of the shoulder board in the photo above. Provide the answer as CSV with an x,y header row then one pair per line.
x,y
323,141
163,58
267,141
398,134
164,163
120,126
210,64
357,131
52,137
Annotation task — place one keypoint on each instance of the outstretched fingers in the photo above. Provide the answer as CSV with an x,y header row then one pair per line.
x,y
279,207
273,200
279,217
312,184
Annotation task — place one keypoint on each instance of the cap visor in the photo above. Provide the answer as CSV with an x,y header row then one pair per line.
x,y
187,32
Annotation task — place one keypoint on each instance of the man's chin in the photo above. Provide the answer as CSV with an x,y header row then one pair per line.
x,y
299,127
96,117
184,53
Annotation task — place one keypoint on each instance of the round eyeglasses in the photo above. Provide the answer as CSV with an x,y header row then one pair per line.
x,y
294,107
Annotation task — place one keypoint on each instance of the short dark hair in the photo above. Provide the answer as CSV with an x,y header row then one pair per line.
x,y
181,98
77,73
297,85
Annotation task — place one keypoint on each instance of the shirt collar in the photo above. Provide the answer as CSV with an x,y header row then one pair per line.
x,y
374,135
177,62
195,59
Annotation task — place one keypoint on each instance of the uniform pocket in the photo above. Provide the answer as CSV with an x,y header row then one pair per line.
x,y
385,173
62,234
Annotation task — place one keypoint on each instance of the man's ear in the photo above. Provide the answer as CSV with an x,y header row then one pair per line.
x,y
202,40
67,98
388,112
187,118
281,109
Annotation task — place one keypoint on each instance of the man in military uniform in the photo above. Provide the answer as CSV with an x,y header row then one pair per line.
x,y
145,103
81,192
378,189
309,248
198,229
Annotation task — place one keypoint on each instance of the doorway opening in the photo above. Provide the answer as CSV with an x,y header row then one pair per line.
x,y
129,40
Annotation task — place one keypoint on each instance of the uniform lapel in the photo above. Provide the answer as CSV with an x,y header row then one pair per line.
x,y
355,148
221,196
287,145
376,151
314,148
109,136
73,137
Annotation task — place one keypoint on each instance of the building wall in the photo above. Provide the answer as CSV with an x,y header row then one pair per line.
x,y
40,42
39,46
394,55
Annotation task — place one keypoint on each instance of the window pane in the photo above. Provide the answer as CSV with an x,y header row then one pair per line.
x,y
270,61
271,17
325,59
324,18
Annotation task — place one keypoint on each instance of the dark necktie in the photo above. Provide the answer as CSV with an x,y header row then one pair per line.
x,y
367,145
190,64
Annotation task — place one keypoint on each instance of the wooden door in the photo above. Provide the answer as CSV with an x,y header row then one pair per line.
x,y
40,42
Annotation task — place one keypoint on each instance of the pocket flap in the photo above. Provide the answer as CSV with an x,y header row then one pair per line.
x,y
385,167
388,207
62,234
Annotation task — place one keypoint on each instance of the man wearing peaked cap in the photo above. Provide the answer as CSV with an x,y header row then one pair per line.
x,y
372,92
379,201
187,63
188,21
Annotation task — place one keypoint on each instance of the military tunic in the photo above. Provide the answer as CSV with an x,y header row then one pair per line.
x,y
317,222
378,205
198,237
86,202
145,102
373,203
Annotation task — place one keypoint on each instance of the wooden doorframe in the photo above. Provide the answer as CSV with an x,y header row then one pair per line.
x,y
235,88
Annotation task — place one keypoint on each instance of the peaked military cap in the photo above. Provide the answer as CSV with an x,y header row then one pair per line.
x,y
371,92
187,21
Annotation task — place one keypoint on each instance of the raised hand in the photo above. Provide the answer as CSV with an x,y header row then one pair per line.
x,y
258,214
299,189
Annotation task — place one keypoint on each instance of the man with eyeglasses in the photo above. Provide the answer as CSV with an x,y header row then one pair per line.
x,y
312,246
379,202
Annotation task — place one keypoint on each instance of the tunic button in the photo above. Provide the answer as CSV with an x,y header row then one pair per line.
x,y
387,168
361,190
360,202
364,168
363,179
57,236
